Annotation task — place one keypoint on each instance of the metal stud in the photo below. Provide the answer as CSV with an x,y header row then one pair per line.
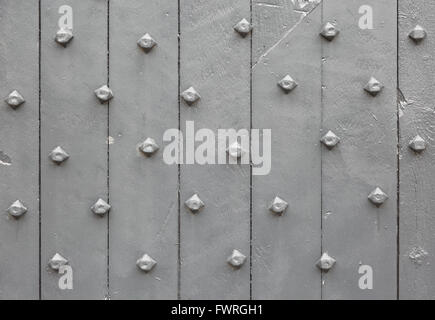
x,y
104,93
194,203
330,139
14,99
64,36
146,263
100,207
57,261
190,95
417,144
418,33
235,150
329,31
377,196
146,42
17,209
236,259
149,146
326,262
243,27
287,84
373,87
58,155
278,205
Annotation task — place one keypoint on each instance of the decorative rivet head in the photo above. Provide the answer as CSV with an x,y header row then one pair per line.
x,y
417,144
14,99
64,36
236,259
58,155
190,96
373,87
100,207
146,42
57,261
17,209
326,262
104,93
194,203
377,196
146,263
330,139
278,205
329,31
287,84
149,147
235,150
418,33
243,27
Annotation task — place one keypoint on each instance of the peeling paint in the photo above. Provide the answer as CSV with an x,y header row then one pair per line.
x,y
418,255
402,102
5,160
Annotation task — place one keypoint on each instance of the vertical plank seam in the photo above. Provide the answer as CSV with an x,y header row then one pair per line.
x,y
398,158
179,166
321,153
250,157
39,155
108,154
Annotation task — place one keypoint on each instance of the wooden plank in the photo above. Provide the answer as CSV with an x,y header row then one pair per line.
x,y
73,118
355,232
143,190
417,179
286,246
19,148
215,60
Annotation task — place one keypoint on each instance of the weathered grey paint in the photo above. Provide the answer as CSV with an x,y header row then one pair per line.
x,y
417,178
143,190
73,118
19,150
215,60
285,247
355,232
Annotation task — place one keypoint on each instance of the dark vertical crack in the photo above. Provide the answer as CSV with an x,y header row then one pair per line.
x,y
398,159
321,153
179,166
108,154
250,159
39,152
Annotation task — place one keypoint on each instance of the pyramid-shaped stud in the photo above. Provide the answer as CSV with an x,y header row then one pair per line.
x,y
14,99
190,95
330,139
194,203
373,87
287,84
377,196
243,27
149,147
63,36
146,42
235,150
326,262
17,209
146,263
417,144
57,261
236,259
329,31
278,205
418,33
58,155
100,207
104,93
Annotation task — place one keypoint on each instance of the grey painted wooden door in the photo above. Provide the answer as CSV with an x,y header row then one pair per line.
x,y
99,94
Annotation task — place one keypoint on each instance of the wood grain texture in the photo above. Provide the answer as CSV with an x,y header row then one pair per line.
x,y
143,190
417,178
72,117
355,231
216,61
285,248
19,252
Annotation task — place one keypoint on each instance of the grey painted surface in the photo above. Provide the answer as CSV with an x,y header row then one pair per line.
x,y
285,247
19,150
354,230
215,60
417,178
72,117
143,190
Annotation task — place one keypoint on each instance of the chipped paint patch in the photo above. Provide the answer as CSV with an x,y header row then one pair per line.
x,y
5,160
418,255
110,140
402,103
305,5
